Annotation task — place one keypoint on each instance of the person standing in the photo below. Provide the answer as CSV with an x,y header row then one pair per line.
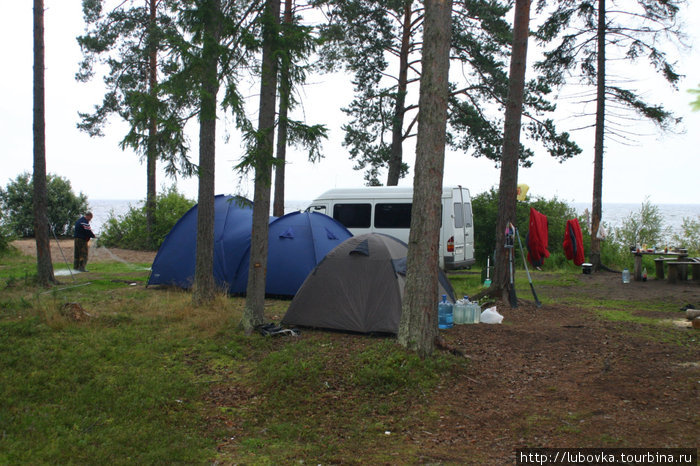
x,y
83,233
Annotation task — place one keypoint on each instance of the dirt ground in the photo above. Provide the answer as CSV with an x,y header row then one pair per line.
x,y
95,253
558,376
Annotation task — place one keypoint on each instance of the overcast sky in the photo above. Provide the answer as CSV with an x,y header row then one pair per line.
x,y
663,168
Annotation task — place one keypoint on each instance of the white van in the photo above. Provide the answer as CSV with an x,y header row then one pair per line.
x,y
388,210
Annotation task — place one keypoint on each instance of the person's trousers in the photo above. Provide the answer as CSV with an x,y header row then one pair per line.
x,y
80,254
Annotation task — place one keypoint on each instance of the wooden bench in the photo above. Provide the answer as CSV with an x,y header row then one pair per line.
x,y
678,270
659,266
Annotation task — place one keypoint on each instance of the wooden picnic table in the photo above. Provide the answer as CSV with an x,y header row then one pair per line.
x,y
662,255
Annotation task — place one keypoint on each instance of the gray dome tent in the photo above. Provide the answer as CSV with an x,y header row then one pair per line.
x,y
357,287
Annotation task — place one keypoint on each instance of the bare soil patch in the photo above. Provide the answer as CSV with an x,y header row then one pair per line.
x,y
559,376
562,376
64,247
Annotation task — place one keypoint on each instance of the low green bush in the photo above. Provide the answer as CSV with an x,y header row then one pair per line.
x,y
128,231
485,211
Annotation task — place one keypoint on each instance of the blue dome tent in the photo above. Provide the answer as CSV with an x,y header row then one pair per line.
x,y
297,243
175,261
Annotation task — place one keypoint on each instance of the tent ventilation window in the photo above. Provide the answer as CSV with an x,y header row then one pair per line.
x,y
361,249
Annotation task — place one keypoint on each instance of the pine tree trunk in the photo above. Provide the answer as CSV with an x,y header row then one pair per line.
x,y
285,88
44,265
257,272
508,186
204,285
396,159
418,327
151,148
597,206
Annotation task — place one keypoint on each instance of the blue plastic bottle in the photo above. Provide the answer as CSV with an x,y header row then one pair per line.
x,y
445,318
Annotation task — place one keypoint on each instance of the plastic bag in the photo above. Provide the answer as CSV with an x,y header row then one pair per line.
x,y
602,234
491,316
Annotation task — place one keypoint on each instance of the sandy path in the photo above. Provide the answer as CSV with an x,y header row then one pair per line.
x,y
96,254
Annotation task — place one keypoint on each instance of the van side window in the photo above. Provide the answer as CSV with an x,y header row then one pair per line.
x,y
353,215
321,209
392,215
463,215
459,215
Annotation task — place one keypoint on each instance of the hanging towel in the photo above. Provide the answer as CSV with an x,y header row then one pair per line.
x,y
573,242
537,238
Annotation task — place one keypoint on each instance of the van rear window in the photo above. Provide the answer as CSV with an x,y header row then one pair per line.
x,y
462,212
353,215
467,215
392,215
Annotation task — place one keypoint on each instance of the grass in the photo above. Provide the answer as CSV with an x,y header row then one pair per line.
x,y
466,284
84,394
348,402
643,315
147,378
118,387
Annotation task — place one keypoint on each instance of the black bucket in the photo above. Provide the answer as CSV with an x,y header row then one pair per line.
x,y
586,268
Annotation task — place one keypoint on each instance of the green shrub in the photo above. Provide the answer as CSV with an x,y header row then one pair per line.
x,y
690,235
614,254
128,231
485,210
644,226
63,209
6,235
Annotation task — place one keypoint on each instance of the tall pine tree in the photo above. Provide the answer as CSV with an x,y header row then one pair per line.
x,y
44,266
210,53
131,41
263,161
419,323
296,45
591,35
380,43
503,271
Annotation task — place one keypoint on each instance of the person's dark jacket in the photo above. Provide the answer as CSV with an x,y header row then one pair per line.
x,y
83,230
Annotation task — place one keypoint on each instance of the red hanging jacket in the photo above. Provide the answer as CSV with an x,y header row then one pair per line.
x,y
573,242
537,238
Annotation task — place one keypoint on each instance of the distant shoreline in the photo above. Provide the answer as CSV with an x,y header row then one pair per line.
x,y
613,213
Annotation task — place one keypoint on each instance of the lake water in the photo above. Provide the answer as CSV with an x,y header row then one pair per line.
x,y
101,209
673,214
613,214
